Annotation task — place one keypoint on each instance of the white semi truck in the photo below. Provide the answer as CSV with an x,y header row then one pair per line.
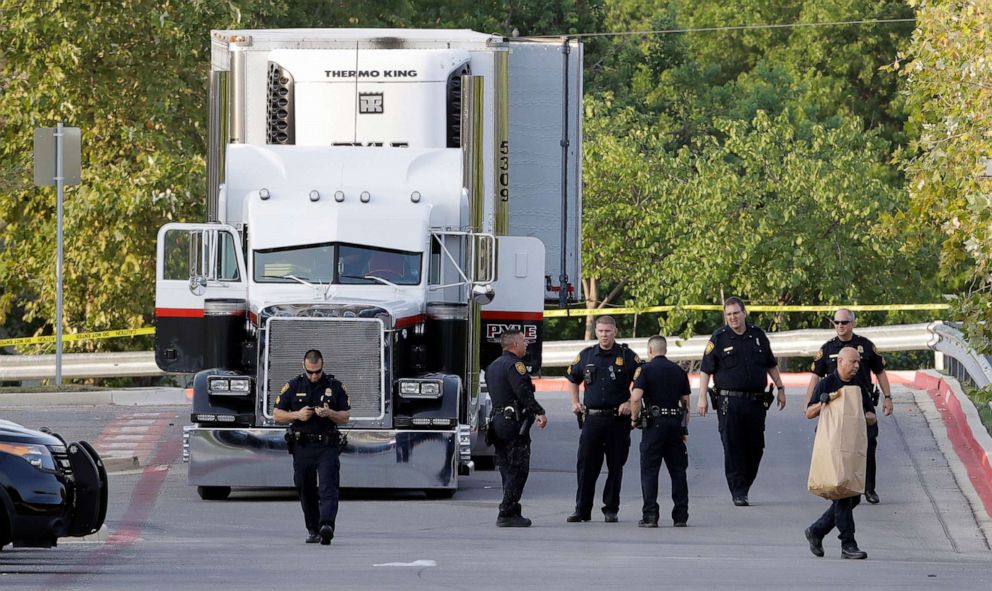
x,y
394,198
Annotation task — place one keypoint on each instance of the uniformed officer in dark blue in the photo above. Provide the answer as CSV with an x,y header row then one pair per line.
x,y
740,359
315,403
514,411
840,514
872,362
607,370
661,388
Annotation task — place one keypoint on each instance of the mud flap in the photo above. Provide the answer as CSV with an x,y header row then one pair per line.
x,y
86,475
104,484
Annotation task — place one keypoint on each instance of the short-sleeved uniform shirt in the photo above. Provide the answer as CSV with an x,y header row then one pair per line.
x,y
300,392
509,384
664,383
832,383
610,374
739,362
872,361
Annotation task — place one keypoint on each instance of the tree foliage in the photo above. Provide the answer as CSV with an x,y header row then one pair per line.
x,y
948,72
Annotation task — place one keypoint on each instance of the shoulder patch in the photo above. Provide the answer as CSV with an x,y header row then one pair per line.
x,y
637,373
709,348
637,358
278,396
576,360
284,388
819,355
520,367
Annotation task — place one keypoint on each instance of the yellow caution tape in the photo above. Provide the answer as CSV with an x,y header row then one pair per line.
x,y
755,308
79,336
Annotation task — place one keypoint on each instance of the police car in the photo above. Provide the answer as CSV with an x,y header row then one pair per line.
x,y
49,489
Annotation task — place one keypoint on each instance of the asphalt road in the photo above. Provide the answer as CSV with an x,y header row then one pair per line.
x,y
161,536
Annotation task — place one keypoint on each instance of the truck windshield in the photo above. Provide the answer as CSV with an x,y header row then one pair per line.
x,y
337,263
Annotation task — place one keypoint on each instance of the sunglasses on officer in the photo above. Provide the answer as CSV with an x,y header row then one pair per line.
x,y
315,372
841,322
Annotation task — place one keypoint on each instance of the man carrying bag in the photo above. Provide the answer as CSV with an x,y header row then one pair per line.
x,y
837,469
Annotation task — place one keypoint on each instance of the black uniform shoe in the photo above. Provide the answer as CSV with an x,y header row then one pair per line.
x,y
648,522
577,517
513,521
815,543
741,502
326,534
611,517
853,552
680,524
871,497
313,536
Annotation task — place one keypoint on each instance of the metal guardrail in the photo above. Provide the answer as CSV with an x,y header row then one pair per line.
x,y
796,343
964,364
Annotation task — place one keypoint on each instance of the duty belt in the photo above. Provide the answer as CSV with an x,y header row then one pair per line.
x,y
604,412
325,438
739,394
659,411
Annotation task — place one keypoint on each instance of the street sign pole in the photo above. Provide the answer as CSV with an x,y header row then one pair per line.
x,y
60,185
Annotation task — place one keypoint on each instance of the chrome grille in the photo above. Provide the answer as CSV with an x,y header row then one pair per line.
x,y
61,458
352,350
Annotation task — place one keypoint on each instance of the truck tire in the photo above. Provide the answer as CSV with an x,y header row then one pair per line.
x,y
440,493
4,526
213,493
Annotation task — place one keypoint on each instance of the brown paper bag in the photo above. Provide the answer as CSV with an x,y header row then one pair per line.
x,y
840,450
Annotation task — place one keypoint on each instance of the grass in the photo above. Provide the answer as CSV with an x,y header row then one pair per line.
x,y
46,388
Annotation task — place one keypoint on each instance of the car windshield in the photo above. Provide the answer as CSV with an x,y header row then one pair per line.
x,y
337,263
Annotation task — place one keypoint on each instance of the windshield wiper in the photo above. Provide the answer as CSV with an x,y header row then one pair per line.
x,y
299,279
375,278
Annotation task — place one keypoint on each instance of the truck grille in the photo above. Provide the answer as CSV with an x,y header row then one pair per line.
x,y
352,350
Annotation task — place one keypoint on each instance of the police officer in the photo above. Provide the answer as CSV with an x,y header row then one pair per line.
x,y
607,370
315,403
740,359
514,411
840,514
872,362
664,388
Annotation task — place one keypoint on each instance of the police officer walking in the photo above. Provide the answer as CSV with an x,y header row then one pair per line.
x,y
514,411
840,514
740,359
315,403
663,389
871,362
607,370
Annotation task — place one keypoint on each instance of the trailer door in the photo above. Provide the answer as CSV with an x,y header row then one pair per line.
x,y
200,297
518,303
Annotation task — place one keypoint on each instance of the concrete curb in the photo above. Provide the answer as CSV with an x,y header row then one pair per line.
x,y
962,439
129,397
115,464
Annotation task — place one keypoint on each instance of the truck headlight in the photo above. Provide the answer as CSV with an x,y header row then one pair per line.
x,y
219,385
234,386
420,389
241,385
36,455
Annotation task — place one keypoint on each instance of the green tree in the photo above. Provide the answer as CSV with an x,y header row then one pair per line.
x,y
948,76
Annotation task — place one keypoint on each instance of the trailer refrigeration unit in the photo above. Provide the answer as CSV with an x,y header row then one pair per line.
x,y
393,198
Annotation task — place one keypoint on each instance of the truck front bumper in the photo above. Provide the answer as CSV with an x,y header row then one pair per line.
x,y
257,457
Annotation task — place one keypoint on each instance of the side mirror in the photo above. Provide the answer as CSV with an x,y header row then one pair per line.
x,y
483,293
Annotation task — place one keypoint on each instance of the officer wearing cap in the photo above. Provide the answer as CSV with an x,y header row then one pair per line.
x,y
514,411
740,359
662,388
871,362
315,403
607,370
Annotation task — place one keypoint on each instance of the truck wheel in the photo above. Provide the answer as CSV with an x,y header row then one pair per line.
x,y
213,493
4,527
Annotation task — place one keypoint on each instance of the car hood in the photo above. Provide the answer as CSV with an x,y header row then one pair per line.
x,y
12,432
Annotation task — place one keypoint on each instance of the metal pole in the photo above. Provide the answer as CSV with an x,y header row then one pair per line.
x,y
59,184
563,276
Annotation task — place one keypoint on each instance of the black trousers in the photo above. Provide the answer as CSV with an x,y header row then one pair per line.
x,y
840,514
661,441
602,437
513,459
317,475
872,446
742,431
